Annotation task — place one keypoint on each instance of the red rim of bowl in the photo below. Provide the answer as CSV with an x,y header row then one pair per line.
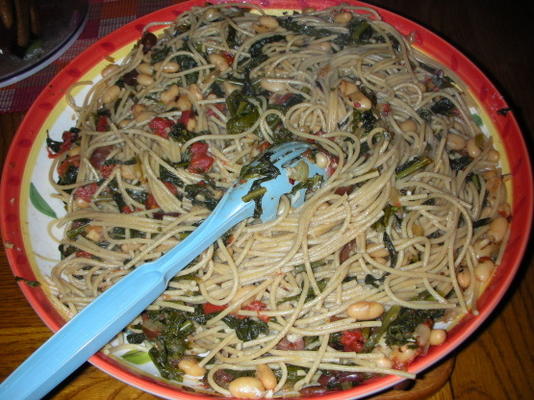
x,y
442,51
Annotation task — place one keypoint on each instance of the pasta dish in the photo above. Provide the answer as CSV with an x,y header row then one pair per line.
x,y
394,247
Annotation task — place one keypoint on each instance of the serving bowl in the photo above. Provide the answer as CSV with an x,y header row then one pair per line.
x,y
27,208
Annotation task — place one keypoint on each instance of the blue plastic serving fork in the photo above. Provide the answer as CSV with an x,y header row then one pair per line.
x,y
102,319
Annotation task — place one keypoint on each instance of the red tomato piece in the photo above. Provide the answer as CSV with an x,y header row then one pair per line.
x,y
209,308
86,192
161,126
151,202
173,189
99,156
352,340
185,117
258,306
106,170
201,161
102,124
68,162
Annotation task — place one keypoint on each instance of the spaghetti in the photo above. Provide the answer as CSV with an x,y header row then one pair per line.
x,y
394,247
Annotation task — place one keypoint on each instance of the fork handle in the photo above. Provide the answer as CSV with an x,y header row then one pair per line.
x,y
110,312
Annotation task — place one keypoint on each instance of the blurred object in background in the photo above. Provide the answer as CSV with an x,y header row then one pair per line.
x,y
34,33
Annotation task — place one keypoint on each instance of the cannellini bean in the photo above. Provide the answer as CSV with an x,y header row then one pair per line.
x,y
437,337
360,101
246,387
211,13
382,252
183,103
168,67
403,354
497,229
422,333
128,247
111,94
195,91
493,156
484,248
384,362
170,94
124,123
346,88
408,125
145,68
464,279
322,46
269,22
266,376
365,310
484,270
274,86
109,70
191,367
80,203
145,80
145,116
455,142
472,148
129,171
343,18
219,61
321,160
138,109
191,124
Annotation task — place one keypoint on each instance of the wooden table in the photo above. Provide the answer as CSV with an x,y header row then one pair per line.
x,y
498,361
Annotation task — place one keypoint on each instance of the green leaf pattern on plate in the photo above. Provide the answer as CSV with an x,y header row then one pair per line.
x,y
136,357
39,203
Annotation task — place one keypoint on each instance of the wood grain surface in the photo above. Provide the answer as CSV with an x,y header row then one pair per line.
x,y
495,363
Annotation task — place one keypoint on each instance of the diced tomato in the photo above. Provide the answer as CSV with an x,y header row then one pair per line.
x,y
264,146
86,192
258,306
228,57
200,164
161,126
83,254
126,209
209,308
352,340
106,170
151,202
332,165
63,167
344,190
99,156
201,161
68,139
344,254
173,189
286,344
102,123
185,117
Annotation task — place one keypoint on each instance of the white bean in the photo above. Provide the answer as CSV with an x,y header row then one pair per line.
x,y
183,103
472,148
219,61
408,125
365,310
274,86
484,270
145,68
269,22
464,279
246,387
266,376
108,70
455,142
343,18
111,94
170,94
437,337
145,80
191,367
497,229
